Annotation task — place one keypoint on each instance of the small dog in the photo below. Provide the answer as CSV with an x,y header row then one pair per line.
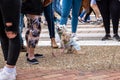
x,y
67,43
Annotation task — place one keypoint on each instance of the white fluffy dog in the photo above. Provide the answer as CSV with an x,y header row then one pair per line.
x,y
67,43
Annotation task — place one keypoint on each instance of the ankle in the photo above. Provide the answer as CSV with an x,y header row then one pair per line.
x,y
30,58
9,69
9,66
107,33
115,33
53,43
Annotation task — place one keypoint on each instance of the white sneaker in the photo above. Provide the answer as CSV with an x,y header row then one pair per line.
x,y
75,37
4,75
1,69
13,72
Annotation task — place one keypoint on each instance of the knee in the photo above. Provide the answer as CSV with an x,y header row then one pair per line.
x,y
8,24
65,14
32,43
75,15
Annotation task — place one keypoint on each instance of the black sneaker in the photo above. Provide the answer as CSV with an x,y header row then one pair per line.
x,y
116,37
32,61
36,55
106,37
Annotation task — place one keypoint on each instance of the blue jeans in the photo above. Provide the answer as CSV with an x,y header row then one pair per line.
x,y
83,13
56,6
21,27
66,7
48,12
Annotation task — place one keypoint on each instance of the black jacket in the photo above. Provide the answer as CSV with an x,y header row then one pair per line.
x,y
34,7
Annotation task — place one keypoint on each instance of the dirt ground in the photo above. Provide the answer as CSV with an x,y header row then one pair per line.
x,y
91,58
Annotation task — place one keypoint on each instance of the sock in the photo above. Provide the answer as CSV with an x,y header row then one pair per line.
x,y
9,70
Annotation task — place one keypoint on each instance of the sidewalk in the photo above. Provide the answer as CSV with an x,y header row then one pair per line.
x,y
98,63
40,74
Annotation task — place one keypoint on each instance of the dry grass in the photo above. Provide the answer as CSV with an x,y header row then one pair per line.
x,y
94,58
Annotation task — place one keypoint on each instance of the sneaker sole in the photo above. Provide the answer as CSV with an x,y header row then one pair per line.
x,y
116,40
40,57
107,39
33,63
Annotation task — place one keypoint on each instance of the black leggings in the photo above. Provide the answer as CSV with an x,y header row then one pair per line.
x,y
11,13
48,12
110,8
88,14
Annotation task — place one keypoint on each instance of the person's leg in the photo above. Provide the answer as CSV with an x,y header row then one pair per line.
x,y
32,37
21,24
7,44
95,8
10,59
21,27
48,12
10,15
82,13
115,12
75,11
56,6
14,48
88,14
57,9
11,21
104,10
3,39
66,6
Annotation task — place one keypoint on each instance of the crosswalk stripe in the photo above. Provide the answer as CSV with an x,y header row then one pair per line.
x,y
79,35
89,34
82,29
85,43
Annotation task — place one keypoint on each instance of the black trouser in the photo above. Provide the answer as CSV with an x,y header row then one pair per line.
x,y
48,12
9,12
110,8
88,14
